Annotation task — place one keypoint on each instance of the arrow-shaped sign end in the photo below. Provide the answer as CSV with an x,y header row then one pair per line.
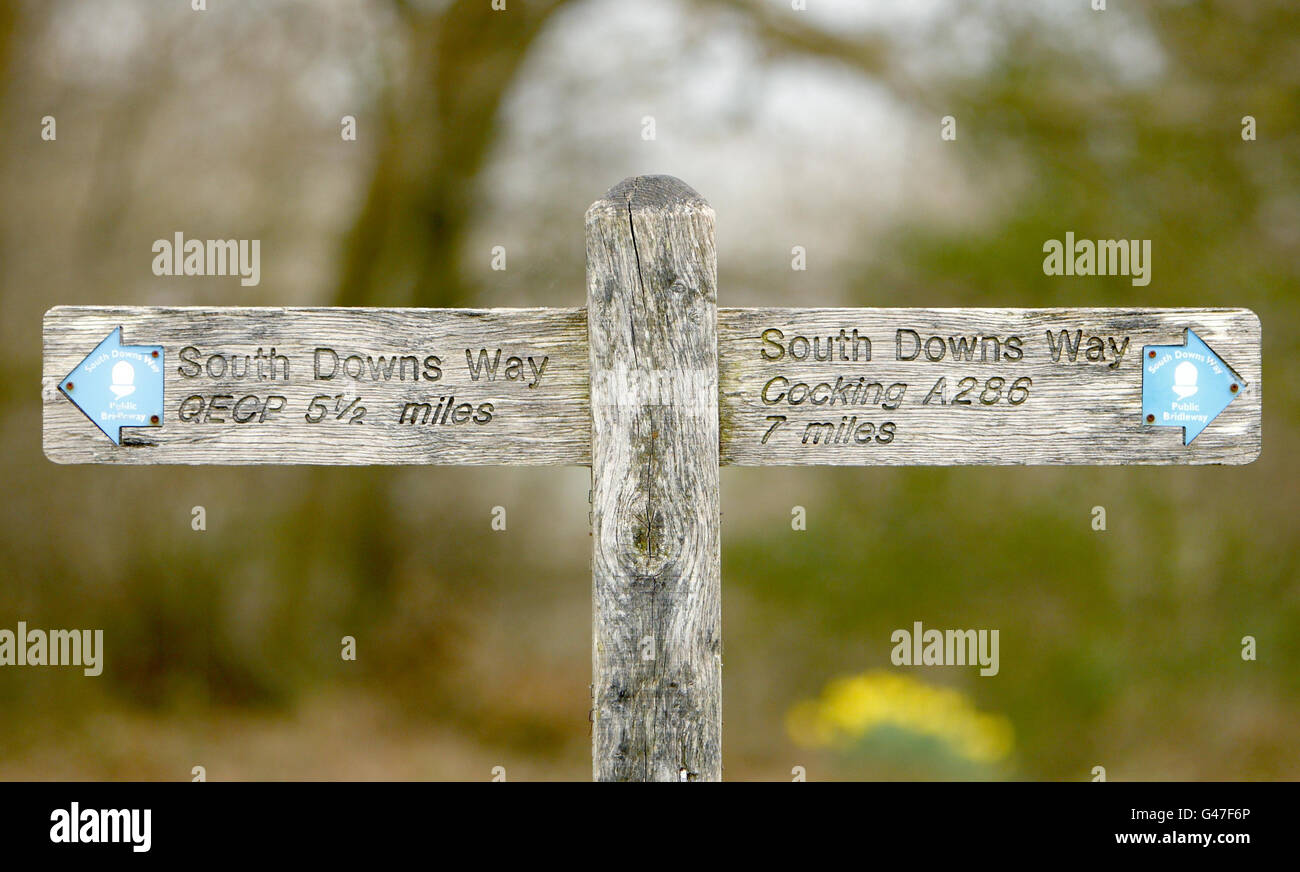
x,y
1186,385
118,386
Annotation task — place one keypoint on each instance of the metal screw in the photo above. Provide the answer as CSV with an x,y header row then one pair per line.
x,y
1151,354
69,385
154,353
1233,389
1151,419
153,419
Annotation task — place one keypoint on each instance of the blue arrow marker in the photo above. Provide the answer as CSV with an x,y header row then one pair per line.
x,y
1185,386
118,386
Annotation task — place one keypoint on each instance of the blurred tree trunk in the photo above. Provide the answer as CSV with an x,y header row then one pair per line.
x,y
439,120
8,24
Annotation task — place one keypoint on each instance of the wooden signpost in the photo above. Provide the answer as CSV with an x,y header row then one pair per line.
x,y
331,386
950,387
654,387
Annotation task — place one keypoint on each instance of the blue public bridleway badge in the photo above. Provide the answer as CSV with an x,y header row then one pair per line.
x,y
1185,386
118,386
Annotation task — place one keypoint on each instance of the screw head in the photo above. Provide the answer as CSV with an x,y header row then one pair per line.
x,y
1233,389
1151,354
68,385
1151,419
153,354
153,419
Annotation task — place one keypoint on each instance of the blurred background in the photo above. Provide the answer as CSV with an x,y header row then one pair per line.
x,y
817,128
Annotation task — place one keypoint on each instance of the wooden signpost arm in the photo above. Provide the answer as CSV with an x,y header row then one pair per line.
x,y
657,631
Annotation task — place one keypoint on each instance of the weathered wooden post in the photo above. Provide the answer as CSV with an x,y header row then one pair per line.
x,y
656,599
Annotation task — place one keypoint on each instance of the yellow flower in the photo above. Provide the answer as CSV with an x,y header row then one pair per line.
x,y
849,709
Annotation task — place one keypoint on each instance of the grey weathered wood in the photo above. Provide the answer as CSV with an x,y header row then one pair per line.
x,y
657,634
546,424
1081,412
1077,413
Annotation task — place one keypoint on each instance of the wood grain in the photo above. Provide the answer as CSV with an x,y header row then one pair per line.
x,y
1085,412
1073,412
535,421
657,634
